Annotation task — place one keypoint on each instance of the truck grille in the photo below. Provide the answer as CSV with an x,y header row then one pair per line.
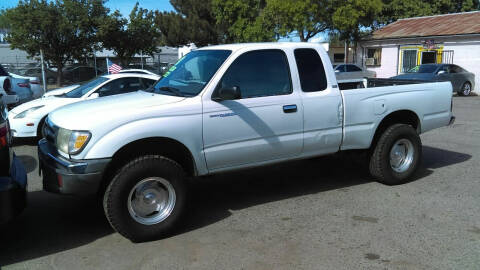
x,y
50,131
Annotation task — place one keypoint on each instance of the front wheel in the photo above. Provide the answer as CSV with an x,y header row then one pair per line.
x,y
396,155
466,89
146,198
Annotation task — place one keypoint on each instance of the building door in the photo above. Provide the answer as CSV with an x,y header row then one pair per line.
x,y
409,60
429,57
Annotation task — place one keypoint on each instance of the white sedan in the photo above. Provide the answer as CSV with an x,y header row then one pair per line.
x,y
27,119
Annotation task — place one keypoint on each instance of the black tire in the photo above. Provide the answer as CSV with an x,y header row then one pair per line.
x,y
40,128
380,164
466,89
117,196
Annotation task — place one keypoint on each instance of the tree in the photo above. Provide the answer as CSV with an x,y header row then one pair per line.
x,y
129,37
307,18
174,28
193,22
243,21
63,29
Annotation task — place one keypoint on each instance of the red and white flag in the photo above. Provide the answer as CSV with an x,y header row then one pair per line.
x,y
112,67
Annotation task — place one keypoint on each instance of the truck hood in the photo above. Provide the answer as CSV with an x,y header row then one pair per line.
x,y
90,113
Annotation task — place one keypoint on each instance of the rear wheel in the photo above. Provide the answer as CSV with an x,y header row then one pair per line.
x,y
397,154
146,198
466,89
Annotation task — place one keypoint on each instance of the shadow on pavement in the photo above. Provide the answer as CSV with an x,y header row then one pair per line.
x,y
30,163
54,223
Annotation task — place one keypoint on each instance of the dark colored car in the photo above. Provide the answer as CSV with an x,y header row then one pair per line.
x,y
463,82
13,177
80,73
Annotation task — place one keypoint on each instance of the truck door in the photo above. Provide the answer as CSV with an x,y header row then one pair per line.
x,y
322,105
265,123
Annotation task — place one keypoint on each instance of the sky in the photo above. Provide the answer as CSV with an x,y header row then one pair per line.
x,y
125,6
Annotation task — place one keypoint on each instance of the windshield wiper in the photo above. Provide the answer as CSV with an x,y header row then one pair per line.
x,y
172,90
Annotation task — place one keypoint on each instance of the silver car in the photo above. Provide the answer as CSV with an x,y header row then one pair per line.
x,y
351,71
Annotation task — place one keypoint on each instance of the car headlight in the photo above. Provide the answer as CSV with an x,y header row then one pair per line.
x,y
72,142
24,113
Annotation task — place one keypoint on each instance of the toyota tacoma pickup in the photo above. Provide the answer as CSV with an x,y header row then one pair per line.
x,y
224,108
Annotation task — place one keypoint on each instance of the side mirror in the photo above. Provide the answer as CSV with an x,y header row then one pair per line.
x,y
228,93
441,72
93,95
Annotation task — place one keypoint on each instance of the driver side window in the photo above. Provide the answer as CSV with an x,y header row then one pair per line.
x,y
259,73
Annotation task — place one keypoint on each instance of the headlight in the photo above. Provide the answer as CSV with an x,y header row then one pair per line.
x,y
24,113
72,142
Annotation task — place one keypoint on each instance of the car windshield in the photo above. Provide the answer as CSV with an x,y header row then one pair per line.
x,y
85,88
191,73
423,69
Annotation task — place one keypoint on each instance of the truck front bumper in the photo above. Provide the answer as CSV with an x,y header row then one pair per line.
x,y
66,176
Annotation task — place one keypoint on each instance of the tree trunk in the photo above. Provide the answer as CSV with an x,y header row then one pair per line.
x,y
59,74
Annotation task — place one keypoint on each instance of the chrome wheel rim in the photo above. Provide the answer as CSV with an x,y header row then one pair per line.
x,y
466,89
401,155
151,201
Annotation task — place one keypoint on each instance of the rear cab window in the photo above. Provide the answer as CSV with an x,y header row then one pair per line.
x,y
310,70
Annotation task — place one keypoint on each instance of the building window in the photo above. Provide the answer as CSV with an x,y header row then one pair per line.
x,y
374,57
338,57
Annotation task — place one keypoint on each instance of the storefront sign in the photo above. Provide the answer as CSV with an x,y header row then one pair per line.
x,y
429,44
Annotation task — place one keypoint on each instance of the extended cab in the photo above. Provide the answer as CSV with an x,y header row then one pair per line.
x,y
224,108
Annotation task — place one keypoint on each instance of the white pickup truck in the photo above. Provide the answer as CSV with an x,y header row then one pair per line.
x,y
224,108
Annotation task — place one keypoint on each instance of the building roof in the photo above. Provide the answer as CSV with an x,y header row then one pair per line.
x,y
464,23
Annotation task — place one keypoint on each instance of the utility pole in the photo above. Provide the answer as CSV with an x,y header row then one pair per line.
x,y
43,72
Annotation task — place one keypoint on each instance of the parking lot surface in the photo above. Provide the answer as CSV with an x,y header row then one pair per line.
x,y
323,213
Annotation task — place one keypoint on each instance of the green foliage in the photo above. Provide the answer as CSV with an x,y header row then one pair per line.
x,y
193,22
63,29
126,38
174,28
243,20
350,16
305,17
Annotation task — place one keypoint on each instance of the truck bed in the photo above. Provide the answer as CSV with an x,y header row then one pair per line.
x,y
374,82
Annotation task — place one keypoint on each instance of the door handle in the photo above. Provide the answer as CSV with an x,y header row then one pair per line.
x,y
290,108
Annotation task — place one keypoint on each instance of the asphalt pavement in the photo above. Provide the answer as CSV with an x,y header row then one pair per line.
x,y
323,213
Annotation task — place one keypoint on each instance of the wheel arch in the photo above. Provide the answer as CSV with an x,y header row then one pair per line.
x,y
164,146
407,117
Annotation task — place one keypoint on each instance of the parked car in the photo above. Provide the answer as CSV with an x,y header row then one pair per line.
x,y
9,97
50,75
224,108
351,71
77,74
21,87
463,82
13,177
27,119
137,71
35,84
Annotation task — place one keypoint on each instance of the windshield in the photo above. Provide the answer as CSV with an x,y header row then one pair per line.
x,y
85,88
191,73
423,69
